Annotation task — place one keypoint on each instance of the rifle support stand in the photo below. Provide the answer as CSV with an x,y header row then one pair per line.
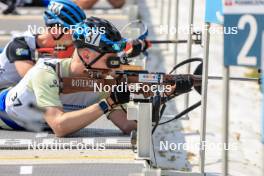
x,y
142,112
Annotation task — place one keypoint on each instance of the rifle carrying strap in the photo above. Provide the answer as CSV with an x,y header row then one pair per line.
x,y
58,70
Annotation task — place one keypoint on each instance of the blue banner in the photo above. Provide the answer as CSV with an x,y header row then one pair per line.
x,y
214,11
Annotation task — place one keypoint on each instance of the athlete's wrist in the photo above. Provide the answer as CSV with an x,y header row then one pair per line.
x,y
110,102
104,106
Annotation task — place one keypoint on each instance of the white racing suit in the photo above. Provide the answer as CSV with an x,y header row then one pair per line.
x,y
40,87
21,47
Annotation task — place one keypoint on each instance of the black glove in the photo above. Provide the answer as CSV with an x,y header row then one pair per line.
x,y
120,95
138,46
184,84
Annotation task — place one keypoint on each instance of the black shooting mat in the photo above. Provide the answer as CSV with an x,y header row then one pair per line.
x,y
101,131
98,169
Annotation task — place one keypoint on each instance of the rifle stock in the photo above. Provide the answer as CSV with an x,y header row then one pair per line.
x,y
88,82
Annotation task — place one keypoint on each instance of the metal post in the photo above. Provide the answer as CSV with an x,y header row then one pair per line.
x,y
225,120
177,30
204,97
168,22
189,49
263,155
262,130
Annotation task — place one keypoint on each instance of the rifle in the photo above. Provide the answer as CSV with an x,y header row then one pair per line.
x,y
110,77
129,74
92,78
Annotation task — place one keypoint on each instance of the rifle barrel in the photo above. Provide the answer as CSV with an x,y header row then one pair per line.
x,y
198,79
234,78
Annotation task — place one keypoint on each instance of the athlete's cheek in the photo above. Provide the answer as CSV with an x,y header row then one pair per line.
x,y
85,55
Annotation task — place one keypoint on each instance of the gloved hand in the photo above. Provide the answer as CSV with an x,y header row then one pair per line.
x,y
184,84
120,97
137,46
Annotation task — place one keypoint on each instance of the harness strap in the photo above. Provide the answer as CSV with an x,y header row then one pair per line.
x,y
57,68
89,66
53,66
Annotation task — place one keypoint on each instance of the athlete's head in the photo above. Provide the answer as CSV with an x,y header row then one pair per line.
x,y
60,16
64,13
96,40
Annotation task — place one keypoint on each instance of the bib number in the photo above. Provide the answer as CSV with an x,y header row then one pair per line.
x,y
242,58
